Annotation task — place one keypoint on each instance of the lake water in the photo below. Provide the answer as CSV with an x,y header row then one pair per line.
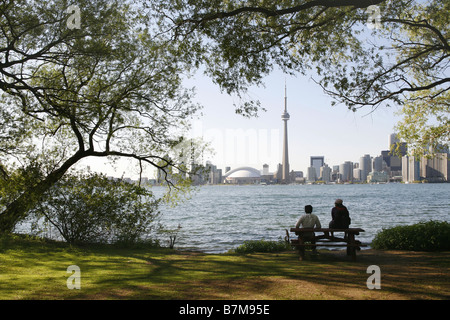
x,y
221,217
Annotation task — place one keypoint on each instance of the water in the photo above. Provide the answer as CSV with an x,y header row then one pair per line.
x,y
221,217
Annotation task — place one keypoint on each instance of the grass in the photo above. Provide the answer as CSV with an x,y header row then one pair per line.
x,y
36,269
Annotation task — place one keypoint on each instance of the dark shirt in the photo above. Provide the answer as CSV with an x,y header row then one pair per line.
x,y
340,217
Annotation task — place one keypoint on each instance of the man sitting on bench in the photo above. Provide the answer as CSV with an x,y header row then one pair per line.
x,y
309,220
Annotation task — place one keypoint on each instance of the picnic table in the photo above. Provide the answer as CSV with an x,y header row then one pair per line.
x,y
328,239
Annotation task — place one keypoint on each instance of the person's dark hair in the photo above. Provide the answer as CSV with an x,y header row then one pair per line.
x,y
308,208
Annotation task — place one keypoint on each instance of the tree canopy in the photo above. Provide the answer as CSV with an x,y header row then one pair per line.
x,y
110,88
104,78
364,53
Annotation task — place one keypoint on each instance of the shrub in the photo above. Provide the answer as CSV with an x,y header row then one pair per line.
x,y
262,246
94,209
423,236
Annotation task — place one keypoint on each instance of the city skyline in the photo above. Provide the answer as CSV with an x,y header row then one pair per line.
x,y
315,128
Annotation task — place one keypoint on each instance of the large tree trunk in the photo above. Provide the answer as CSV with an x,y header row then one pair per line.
x,y
19,208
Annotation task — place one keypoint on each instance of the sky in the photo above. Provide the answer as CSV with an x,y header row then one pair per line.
x,y
315,127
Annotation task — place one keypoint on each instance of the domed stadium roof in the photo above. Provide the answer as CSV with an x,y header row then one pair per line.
x,y
243,172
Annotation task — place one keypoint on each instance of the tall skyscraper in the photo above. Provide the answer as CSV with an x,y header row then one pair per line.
x,y
285,117
436,169
317,162
311,174
365,164
346,171
395,143
265,169
325,173
410,169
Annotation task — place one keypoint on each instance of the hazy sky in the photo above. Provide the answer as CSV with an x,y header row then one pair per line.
x,y
315,127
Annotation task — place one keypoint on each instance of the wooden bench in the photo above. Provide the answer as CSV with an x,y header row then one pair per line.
x,y
326,240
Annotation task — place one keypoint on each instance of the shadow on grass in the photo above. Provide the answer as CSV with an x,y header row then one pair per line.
x,y
331,275
38,271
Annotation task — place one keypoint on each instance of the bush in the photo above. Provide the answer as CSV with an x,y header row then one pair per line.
x,y
423,236
91,208
262,246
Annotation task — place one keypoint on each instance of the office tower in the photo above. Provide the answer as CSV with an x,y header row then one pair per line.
x,y
346,171
436,169
317,162
357,174
410,169
392,140
395,143
378,163
311,174
325,173
279,174
265,169
285,117
385,154
365,164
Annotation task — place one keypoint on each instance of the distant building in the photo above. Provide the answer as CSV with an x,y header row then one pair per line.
x,y
278,176
365,164
378,163
410,169
298,177
396,166
214,174
317,162
243,175
311,175
436,169
377,176
395,143
265,170
356,174
346,171
397,150
325,173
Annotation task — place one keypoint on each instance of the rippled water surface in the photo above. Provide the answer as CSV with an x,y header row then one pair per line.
x,y
219,218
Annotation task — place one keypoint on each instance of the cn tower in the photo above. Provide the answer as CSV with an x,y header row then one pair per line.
x,y
285,117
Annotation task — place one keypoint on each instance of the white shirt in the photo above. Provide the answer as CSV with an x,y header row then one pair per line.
x,y
308,220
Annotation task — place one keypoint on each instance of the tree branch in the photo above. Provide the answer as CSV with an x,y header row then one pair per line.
x,y
274,13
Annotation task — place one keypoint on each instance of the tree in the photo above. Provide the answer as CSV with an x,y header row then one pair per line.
x,y
364,53
105,78
106,85
90,208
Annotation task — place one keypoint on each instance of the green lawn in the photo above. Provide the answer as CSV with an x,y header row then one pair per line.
x,y
31,269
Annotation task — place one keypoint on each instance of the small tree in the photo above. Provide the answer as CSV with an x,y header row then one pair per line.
x,y
91,208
